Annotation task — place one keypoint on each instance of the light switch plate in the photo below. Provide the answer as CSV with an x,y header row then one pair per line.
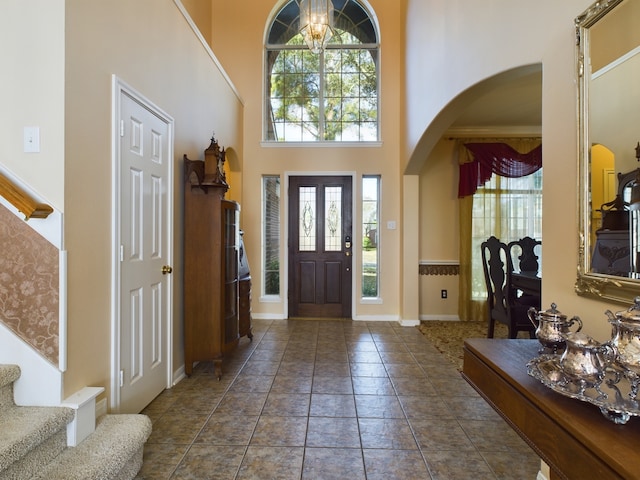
x,y
31,139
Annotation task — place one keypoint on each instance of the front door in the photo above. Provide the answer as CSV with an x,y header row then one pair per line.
x,y
320,246
144,244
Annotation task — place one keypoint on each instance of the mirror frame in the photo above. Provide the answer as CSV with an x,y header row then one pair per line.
x,y
595,285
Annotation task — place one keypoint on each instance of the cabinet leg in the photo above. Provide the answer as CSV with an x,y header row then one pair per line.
x,y
217,367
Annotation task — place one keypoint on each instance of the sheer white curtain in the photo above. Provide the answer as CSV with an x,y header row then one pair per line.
x,y
509,208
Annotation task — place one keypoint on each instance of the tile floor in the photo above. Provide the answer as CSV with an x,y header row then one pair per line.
x,y
331,399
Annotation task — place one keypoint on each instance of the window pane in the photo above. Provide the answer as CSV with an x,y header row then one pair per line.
x,y
350,95
333,219
305,91
271,234
370,256
307,227
294,96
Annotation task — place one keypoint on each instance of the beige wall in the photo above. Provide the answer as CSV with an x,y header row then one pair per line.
x,y
446,41
151,47
147,43
439,230
32,93
258,159
200,13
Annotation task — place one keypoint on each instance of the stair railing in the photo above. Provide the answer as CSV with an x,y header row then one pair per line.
x,y
22,201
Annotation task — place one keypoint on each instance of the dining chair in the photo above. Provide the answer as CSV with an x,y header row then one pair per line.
x,y
526,252
501,299
524,255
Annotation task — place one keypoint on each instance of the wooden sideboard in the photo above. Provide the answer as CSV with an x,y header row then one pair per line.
x,y
572,437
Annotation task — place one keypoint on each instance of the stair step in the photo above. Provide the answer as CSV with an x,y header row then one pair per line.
x,y
30,437
113,451
8,375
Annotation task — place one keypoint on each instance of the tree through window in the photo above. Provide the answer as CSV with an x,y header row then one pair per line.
x,y
331,96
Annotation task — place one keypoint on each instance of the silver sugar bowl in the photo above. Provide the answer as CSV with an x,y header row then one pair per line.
x,y
552,327
625,336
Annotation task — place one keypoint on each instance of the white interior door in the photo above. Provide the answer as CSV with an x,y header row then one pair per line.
x,y
144,250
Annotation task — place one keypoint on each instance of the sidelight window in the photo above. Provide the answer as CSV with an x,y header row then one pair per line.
x,y
271,235
370,241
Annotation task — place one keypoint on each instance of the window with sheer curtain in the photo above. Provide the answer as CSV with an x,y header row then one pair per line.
x,y
500,192
509,208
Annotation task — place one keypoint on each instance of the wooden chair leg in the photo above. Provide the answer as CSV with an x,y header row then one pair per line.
x,y
513,332
492,323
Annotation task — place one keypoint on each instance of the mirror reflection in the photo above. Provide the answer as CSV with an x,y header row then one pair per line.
x,y
609,67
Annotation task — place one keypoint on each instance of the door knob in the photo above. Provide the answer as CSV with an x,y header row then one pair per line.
x,y
166,269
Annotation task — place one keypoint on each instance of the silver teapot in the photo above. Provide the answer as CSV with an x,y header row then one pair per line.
x,y
625,336
584,360
552,326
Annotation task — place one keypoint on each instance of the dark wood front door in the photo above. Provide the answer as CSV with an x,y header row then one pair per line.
x,y
320,246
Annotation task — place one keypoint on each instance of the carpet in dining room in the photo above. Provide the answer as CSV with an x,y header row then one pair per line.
x,y
448,336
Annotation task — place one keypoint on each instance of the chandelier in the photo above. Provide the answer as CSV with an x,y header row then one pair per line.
x,y
316,23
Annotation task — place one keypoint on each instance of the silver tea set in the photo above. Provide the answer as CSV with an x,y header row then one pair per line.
x,y
573,363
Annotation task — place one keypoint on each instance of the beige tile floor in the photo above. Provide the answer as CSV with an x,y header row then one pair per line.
x,y
331,399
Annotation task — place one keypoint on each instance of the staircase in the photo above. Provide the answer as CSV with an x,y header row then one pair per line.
x,y
33,441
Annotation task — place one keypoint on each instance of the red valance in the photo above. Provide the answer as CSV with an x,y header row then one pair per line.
x,y
498,158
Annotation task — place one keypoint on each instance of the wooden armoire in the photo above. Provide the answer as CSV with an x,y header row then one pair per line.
x,y
211,262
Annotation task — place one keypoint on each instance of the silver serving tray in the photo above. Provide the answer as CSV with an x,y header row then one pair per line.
x,y
611,395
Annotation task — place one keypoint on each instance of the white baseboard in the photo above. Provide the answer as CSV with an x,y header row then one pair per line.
x,y
178,375
267,316
409,323
376,318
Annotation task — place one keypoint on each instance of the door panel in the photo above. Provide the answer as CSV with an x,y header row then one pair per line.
x,y
144,172
333,279
320,220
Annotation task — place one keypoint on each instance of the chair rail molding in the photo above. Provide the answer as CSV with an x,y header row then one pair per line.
x,y
439,267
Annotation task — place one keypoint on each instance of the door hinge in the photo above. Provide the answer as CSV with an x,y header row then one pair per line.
x,y
122,128
121,378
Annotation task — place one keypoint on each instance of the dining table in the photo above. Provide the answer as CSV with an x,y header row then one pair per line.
x,y
529,283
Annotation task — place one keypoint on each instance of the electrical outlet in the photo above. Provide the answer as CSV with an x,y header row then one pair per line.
x,y
443,294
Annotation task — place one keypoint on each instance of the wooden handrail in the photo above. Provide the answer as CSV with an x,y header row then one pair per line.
x,y
22,201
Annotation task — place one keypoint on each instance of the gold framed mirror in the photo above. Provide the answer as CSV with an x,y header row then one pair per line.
x,y
608,68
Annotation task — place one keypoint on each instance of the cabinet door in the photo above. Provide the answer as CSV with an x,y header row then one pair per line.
x,y
231,246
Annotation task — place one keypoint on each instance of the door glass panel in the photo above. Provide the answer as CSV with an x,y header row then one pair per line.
x,y
333,219
307,228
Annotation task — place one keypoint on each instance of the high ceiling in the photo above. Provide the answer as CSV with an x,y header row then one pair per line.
x,y
517,104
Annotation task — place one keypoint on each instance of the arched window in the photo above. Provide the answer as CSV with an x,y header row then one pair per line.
x,y
331,96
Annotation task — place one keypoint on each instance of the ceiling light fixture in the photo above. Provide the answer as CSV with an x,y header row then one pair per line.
x,y
316,23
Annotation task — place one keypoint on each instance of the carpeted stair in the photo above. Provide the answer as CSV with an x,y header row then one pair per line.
x,y
33,441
